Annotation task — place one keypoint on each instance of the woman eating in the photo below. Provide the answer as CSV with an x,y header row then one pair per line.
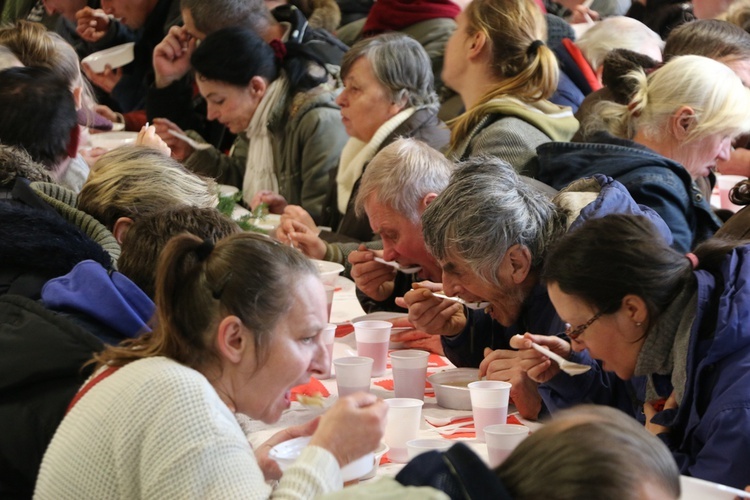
x,y
238,325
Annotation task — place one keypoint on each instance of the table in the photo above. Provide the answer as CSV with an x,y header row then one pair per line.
x,y
346,307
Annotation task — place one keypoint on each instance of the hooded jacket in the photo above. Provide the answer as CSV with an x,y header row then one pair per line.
x,y
587,199
652,180
710,430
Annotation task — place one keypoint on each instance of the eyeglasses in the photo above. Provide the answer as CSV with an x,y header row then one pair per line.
x,y
574,333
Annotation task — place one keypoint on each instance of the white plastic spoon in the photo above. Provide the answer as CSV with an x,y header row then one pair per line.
x,y
191,142
470,305
441,421
399,267
568,367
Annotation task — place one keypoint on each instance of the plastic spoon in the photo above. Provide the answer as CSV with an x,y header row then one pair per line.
x,y
191,142
470,305
399,267
449,430
568,367
441,421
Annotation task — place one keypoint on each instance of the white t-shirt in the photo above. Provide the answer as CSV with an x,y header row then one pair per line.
x,y
158,429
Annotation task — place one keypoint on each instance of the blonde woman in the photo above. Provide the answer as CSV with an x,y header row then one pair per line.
x,y
497,62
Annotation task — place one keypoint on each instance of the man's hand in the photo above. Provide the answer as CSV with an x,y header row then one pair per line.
x,y
416,339
275,202
299,214
372,278
301,237
106,80
148,137
92,24
536,365
171,57
505,365
432,314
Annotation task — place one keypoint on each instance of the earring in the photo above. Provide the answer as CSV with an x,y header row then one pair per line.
x,y
638,324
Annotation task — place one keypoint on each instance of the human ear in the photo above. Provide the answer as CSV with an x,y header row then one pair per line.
x,y
477,44
121,227
231,340
426,200
518,260
258,86
635,309
682,121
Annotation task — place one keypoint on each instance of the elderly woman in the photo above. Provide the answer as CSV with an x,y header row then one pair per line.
x,y
388,94
280,103
238,326
679,123
498,63
664,326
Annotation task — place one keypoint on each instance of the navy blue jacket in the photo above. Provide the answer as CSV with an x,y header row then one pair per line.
x,y
537,313
652,180
710,431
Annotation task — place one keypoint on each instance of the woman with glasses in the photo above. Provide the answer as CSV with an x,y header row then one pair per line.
x,y
670,332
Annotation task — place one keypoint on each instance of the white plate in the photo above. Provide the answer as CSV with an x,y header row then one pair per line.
x,y
287,452
112,140
699,489
117,56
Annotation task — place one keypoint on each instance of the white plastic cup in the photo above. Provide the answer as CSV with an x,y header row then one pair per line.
x,y
502,439
489,404
402,425
726,183
409,373
418,446
352,374
329,298
328,335
372,342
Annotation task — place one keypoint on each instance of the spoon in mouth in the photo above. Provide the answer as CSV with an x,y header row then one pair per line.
x,y
470,305
399,267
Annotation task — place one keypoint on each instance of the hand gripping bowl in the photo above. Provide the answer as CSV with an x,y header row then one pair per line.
x,y
287,452
115,57
451,389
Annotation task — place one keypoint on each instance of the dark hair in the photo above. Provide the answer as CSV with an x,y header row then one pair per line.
x,y
616,68
708,38
217,14
617,255
247,275
740,193
39,113
150,233
235,55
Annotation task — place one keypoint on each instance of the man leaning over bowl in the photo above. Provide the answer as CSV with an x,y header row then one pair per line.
x,y
489,230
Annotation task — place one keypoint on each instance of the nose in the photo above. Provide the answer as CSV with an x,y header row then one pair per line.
x,y
726,151
341,99
319,364
212,113
389,252
577,345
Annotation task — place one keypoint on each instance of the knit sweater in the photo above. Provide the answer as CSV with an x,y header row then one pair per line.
x,y
157,429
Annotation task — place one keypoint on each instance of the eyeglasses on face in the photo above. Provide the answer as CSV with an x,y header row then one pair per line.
x,y
574,333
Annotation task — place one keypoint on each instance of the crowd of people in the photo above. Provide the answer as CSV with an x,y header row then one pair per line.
x,y
556,160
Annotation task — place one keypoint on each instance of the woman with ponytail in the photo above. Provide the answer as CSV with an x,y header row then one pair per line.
x,y
237,326
497,62
279,100
670,333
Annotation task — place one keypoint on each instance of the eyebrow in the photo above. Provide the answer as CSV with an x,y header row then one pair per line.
x,y
449,267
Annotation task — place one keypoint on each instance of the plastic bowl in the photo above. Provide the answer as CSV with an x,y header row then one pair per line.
x,y
328,271
418,446
112,140
287,452
117,56
382,450
455,397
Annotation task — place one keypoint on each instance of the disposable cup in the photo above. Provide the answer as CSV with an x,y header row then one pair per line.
x,y
352,374
372,342
409,373
329,298
402,425
502,440
489,404
418,446
328,335
726,183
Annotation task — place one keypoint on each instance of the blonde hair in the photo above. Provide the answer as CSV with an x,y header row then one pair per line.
x,y
134,180
522,70
712,90
739,14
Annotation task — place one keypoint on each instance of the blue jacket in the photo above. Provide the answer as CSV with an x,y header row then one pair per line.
x,y
92,294
710,431
653,180
538,314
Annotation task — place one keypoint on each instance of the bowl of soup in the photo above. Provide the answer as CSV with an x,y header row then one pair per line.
x,y
451,387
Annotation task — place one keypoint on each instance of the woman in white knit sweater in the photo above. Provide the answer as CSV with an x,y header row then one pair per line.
x,y
238,326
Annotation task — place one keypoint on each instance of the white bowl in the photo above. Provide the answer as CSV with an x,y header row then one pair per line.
x,y
699,489
287,452
418,446
328,271
382,450
112,140
117,56
455,397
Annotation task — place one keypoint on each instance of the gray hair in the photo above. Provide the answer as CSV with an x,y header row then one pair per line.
x,y
217,14
401,175
619,32
487,208
8,59
590,451
400,64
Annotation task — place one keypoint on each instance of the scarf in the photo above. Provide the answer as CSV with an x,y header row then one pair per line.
x,y
394,15
665,350
260,172
356,154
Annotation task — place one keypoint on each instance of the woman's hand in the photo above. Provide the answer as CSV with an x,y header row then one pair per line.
x,y
148,137
432,314
275,202
536,365
372,278
649,411
181,150
270,468
352,427
107,80
92,24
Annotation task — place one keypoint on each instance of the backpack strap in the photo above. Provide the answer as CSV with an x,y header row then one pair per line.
x,y
91,383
